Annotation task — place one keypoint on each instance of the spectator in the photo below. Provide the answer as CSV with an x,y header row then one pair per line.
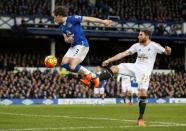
x,y
48,86
156,10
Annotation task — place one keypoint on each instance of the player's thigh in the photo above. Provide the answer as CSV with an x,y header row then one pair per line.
x,y
65,60
126,69
74,62
143,82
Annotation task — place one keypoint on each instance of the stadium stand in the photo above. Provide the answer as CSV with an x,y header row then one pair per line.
x,y
156,10
25,7
27,55
25,84
171,85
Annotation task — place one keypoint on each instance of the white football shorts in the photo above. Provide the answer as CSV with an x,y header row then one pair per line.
x,y
133,70
125,83
100,91
134,90
77,51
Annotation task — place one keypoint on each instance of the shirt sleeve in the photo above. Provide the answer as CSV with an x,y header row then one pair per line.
x,y
62,28
159,48
77,18
133,49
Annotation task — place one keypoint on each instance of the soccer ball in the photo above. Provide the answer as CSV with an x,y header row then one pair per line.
x,y
50,61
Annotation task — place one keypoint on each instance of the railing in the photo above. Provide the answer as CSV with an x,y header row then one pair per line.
x,y
46,26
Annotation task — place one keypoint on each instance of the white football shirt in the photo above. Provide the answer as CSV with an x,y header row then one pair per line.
x,y
146,55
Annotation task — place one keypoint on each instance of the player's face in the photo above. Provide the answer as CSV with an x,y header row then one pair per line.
x,y
142,37
58,19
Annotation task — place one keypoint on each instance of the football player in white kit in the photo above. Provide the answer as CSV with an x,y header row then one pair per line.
x,y
125,86
128,87
146,54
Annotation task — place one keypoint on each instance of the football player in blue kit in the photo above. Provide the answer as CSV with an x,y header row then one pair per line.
x,y
73,34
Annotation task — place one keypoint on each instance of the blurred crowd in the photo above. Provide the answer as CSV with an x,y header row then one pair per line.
x,y
10,59
25,7
57,84
171,85
158,10
18,59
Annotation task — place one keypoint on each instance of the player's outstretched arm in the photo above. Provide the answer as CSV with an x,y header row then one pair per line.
x,y
97,20
116,57
168,50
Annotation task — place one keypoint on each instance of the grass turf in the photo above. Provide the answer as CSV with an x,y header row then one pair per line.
x,y
120,117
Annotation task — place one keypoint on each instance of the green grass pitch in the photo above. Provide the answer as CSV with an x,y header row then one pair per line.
x,y
120,117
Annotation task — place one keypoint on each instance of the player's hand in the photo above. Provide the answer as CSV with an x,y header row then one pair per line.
x,y
168,50
69,39
105,63
107,22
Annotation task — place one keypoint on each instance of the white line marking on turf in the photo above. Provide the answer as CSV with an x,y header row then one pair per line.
x,y
92,118
83,127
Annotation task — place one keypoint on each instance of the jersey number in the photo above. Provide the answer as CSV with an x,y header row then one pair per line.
x,y
76,52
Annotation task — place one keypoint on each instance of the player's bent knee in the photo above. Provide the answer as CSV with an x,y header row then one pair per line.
x,y
72,66
65,60
142,92
114,69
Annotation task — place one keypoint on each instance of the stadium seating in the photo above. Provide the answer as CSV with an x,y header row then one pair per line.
x,y
9,60
37,84
158,10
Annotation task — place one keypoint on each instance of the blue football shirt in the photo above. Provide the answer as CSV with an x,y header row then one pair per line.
x,y
134,83
72,27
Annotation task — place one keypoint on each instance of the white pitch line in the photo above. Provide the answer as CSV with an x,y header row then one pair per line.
x,y
62,128
91,118
83,127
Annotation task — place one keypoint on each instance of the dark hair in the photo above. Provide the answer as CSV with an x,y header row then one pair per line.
x,y
146,31
61,10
